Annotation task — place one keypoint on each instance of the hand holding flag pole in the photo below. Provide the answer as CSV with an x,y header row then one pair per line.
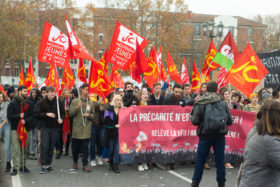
x,y
79,98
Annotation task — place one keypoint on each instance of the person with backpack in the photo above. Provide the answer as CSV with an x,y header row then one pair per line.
x,y
212,116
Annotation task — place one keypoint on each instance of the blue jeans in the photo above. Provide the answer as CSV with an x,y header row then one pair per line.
x,y
34,140
114,155
7,137
203,149
97,134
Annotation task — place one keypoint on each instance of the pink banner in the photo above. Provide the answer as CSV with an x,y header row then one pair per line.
x,y
168,130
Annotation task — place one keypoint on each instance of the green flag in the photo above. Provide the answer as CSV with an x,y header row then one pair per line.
x,y
223,60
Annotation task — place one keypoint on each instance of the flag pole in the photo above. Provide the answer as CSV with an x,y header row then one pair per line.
x,y
79,96
57,103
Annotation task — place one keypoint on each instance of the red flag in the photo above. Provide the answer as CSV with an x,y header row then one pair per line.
x,y
66,124
52,78
209,65
30,77
82,75
184,73
247,71
116,78
21,77
99,82
68,80
172,70
21,131
54,46
195,78
162,72
139,65
103,61
229,49
77,48
123,46
151,75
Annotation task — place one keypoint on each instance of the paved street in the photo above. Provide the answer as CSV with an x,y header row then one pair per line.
x,y
101,177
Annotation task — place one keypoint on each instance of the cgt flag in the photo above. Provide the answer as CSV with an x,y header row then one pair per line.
x,y
225,57
123,46
21,77
247,71
195,79
151,75
21,131
30,77
68,80
54,46
162,72
52,78
82,74
184,73
103,61
172,70
99,82
209,65
116,78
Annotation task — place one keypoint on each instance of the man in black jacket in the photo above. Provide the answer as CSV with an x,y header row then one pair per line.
x,y
48,115
175,98
210,138
15,115
156,98
129,98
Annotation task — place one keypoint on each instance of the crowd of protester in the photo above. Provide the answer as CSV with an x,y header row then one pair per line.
x,y
94,125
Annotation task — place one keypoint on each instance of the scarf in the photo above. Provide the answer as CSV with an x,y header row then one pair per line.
x,y
209,97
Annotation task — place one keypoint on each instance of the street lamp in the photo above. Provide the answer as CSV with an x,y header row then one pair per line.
x,y
214,31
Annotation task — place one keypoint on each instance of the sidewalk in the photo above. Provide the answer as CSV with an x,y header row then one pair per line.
x,y
5,177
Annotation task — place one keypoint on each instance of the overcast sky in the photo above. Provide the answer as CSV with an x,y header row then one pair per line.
x,y
244,8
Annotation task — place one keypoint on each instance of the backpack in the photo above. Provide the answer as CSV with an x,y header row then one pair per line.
x,y
215,119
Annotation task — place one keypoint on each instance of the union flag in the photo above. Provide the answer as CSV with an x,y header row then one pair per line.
x,y
162,72
68,80
172,70
184,73
195,79
116,78
151,75
21,131
30,77
82,75
52,78
99,83
208,64
247,72
21,77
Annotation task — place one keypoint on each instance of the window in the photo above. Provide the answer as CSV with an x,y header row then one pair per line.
x,y
197,29
231,29
7,72
250,31
16,72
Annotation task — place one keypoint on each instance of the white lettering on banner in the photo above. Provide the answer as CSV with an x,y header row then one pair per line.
x,y
129,38
173,133
160,132
237,120
154,117
232,134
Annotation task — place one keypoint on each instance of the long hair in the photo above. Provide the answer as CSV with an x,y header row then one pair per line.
x,y
113,103
4,97
269,118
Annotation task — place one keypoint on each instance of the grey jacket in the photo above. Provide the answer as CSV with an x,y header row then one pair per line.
x,y
262,161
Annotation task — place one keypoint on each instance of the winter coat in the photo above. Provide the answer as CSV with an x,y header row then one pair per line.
x,y
110,120
49,106
14,111
154,101
261,166
198,113
130,99
171,100
79,131
3,111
